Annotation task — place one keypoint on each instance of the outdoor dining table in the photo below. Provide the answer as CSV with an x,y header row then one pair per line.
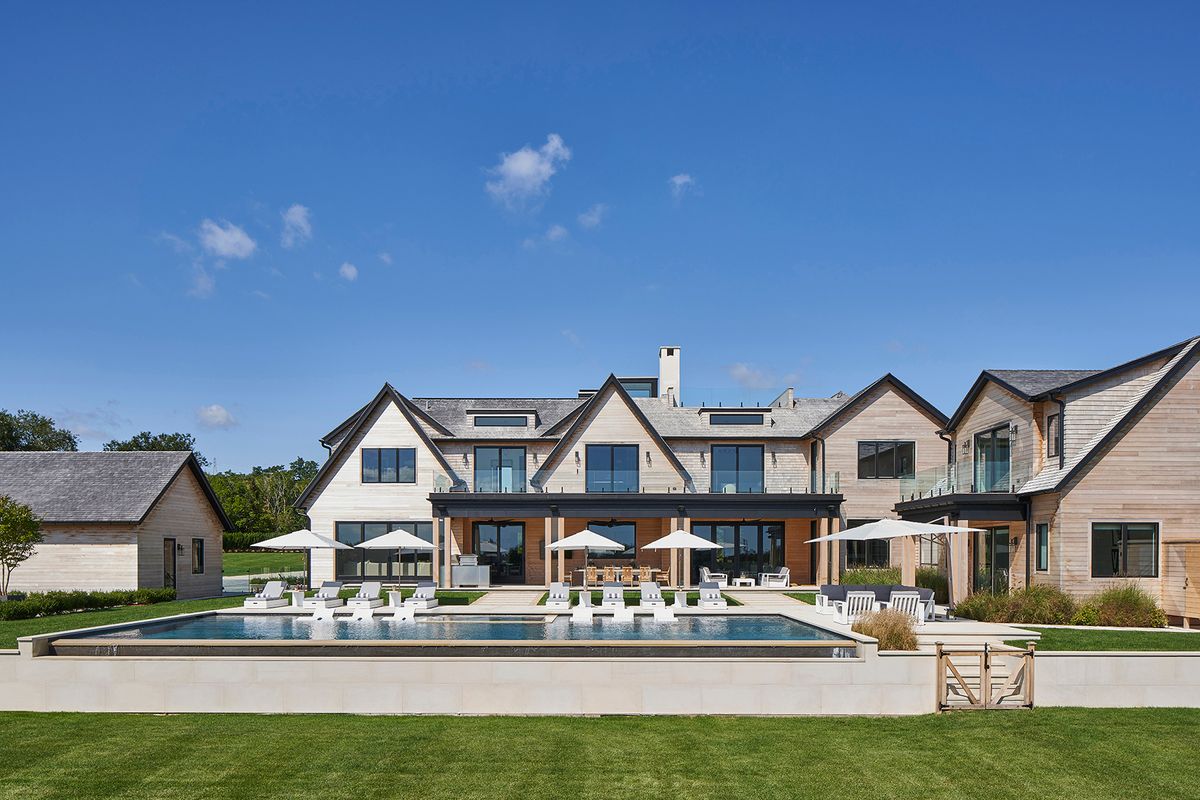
x,y
583,581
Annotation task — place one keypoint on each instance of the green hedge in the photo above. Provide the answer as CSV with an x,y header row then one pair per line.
x,y
1125,606
49,603
237,540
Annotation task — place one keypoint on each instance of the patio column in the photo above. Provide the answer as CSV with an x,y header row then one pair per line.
x,y
685,524
908,565
437,551
822,551
560,532
549,554
835,551
960,571
448,557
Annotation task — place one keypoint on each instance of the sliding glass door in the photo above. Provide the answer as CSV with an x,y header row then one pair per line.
x,y
992,461
991,560
746,548
501,545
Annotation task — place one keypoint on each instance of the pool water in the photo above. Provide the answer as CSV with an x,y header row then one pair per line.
x,y
478,627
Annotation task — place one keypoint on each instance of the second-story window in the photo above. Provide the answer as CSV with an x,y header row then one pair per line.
x,y
1052,435
887,459
612,468
737,468
389,465
499,469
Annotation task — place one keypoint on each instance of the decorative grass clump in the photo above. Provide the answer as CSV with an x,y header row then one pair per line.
x,y
870,576
1127,606
933,578
893,629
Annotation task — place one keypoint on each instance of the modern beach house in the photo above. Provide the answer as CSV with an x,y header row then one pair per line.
x,y
491,482
1082,479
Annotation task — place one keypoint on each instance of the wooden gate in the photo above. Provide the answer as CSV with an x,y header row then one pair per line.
x,y
988,677
1181,581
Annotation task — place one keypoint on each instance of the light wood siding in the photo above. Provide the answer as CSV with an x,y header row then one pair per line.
x,y
994,407
884,414
92,557
461,455
183,513
785,463
614,423
343,497
1149,475
1091,408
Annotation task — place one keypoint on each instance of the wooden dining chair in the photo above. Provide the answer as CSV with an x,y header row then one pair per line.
x,y
645,575
589,577
610,574
627,575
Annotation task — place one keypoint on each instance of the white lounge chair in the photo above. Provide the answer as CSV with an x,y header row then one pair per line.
x,y
424,596
403,613
363,613
271,596
710,596
623,614
680,599
326,596
559,598
368,596
613,597
776,580
854,606
665,614
322,614
708,576
652,596
582,612
907,602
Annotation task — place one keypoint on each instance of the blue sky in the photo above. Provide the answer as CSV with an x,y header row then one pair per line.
x,y
240,222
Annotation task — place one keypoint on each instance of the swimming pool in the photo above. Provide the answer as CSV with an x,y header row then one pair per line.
x,y
468,634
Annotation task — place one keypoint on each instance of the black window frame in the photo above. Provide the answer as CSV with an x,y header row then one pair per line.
x,y
1053,441
635,386
1122,571
1041,545
400,557
612,448
895,444
378,456
600,526
737,448
737,419
500,421
197,556
498,447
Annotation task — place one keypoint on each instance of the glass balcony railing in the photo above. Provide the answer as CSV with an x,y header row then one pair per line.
x,y
829,483
966,479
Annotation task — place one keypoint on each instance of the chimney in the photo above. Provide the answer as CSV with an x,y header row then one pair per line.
x,y
668,375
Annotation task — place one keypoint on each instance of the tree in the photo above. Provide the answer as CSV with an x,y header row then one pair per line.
x,y
261,500
159,441
20,533
26,430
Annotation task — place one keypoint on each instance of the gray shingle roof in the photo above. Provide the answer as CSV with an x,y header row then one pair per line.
x,y
451,412
689,421
1036,381
92,487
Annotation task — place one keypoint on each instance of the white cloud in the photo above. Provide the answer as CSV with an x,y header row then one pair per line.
x,y
226,240
260,294
593,216
681,184
203,284
176,243
750,377
526,174
348,271
97,423
572,337
215,416
297,226
556,233
385,257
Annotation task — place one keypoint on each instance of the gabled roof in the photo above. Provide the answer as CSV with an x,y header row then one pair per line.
x,y
386,394
1033,385
889,379
613,385
1052,478
113,487
455,414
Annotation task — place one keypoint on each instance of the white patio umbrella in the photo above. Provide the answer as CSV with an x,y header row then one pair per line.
x,y
680,540
303,540
895,529
398,540
586,540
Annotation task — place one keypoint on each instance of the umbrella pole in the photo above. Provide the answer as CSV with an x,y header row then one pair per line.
x,y
308,567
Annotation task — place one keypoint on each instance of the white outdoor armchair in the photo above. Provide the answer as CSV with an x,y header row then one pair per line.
x,y
908,603
854,606
708,576
776,580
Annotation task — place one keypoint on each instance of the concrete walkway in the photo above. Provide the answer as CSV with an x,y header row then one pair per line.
x,y
509,601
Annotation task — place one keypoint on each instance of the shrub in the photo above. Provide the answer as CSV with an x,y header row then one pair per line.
x,y
237,540
44,604
1045,605
1126,606
1085,615
863,576
893,629
933,578
983,606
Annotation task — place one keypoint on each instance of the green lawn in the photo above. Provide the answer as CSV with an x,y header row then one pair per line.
x,y
804,597
1045,753
259,563
634,598
1076,639
11,629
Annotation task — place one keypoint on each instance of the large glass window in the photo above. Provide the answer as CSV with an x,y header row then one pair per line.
x,y
612,468
359,564
499,469
645,388
1124,550
1043,546
501,545
991,560
746,548
992,467
886,459
737,468
1052,435
389,465
868,553
623,532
